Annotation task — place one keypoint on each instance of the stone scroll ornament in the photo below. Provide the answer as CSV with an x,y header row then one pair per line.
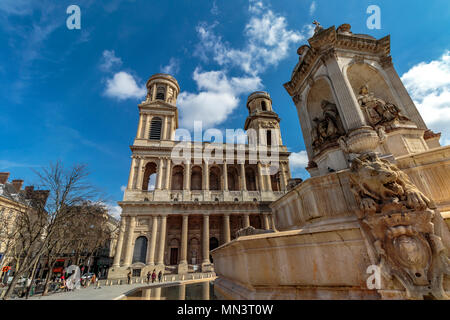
x,y
397,219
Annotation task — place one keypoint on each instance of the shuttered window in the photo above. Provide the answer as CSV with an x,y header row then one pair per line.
x,y
160,93
155,129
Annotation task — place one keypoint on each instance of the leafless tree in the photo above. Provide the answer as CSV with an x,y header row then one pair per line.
x,y
68,189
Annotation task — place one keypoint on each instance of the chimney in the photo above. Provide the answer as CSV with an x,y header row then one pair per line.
x,y
4,177
17,184
29,192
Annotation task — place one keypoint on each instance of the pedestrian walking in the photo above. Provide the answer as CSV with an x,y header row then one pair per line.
x,y
129,277
149,275
160,276
153,276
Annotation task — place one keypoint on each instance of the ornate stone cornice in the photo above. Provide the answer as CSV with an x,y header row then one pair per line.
x,y
327,43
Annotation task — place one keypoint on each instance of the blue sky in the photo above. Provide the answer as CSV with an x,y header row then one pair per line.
x,y
72,94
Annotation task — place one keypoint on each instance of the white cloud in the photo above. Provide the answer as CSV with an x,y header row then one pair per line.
x,y
113,209
123,188
109,61
123,86
312,8
218,96
268,41
298,161
429,87
172,68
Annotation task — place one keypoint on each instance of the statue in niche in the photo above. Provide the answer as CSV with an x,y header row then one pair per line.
x,y
328,127
398,221
377,110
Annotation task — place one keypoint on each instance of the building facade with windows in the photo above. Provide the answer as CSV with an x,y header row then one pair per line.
x,y
186,198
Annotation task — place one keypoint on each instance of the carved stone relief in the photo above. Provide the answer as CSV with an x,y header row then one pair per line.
x,y
328,127
396,218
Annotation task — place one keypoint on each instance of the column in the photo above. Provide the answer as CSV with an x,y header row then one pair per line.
x,y
205,239
129,244
139,129
225,176
172,128
162,240
205,290
268,178
140,174
266,221
160,174
119,244
131,176
206,175
168,173
152,246
182,292
187,176
246,220
273,222
243,185
226,228
184,240
351,113
145,127
260,178
283,177
164,133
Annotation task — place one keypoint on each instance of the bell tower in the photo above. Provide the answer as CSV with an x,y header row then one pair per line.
x,y
263,120
158,114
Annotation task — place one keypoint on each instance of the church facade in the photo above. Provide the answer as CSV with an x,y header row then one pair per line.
x,y
186,198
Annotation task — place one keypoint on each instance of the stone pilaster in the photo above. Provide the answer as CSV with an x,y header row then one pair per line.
x,y
260,178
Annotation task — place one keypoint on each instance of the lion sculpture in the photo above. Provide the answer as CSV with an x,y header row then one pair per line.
x,y
377,182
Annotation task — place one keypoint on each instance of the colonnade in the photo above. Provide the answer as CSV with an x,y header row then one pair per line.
x,y
156,247
165,168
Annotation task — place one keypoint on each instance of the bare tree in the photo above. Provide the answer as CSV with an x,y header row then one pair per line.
x,y
68,189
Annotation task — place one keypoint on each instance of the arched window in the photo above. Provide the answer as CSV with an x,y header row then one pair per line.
x,y
155,129
214,179
275,182
196,178
160,93
149,177
177,178
140,250
269,137
250,179
233,181
263,106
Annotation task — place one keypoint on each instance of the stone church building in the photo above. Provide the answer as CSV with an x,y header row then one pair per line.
x,y
175,210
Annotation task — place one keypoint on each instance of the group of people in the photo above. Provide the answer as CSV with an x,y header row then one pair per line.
x,y
151,276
